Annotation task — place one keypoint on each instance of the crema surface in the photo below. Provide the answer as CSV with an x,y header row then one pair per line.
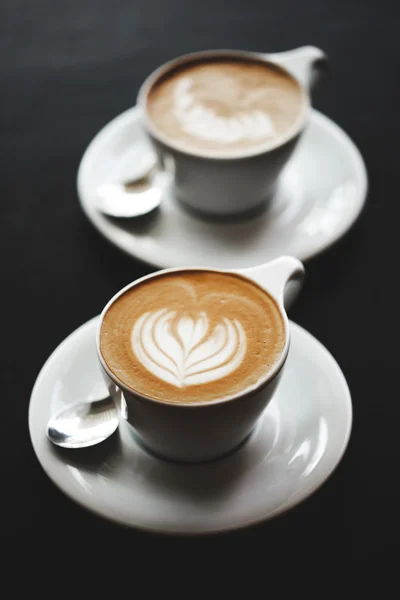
x,y
194,336
224,105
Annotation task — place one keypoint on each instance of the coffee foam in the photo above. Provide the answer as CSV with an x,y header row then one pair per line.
x,y
225,104
192,336
202,122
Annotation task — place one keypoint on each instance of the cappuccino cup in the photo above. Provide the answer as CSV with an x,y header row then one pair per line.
x,y
193,356
223,124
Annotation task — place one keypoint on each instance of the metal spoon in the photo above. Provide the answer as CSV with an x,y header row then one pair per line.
x,y
134,197
84,424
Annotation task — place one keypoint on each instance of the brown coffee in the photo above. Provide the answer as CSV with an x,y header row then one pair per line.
x,y
192,336
225,104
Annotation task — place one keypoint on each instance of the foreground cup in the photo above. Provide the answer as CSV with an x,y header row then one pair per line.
x,y
196,432
245,179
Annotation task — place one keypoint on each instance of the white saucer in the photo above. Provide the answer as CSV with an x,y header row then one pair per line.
x,y
296,445
321,194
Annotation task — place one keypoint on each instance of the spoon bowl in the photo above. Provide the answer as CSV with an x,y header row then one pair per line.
x,y
84,424
135,197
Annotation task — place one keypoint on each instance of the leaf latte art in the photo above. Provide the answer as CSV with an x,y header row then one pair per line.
x,y
183,350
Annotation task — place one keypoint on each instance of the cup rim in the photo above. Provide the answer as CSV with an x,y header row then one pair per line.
x,y
261,383
265,148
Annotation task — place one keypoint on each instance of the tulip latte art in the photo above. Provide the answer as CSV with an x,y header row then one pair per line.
x,y
225,104
192,336
182,350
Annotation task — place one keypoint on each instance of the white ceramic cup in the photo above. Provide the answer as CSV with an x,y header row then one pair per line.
x,y
242,180
196,432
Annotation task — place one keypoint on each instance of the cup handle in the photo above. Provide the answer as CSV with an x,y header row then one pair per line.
x,y
282,278
305,63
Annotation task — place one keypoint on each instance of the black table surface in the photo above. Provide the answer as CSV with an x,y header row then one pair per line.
x,y
68,68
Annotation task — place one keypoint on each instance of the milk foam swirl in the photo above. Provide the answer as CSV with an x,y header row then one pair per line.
x,y
183,350
202,122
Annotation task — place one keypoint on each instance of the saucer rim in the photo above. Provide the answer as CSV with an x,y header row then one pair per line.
x,y
279,511
99,141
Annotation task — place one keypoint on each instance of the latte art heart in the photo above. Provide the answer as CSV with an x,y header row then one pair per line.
x,y
185,351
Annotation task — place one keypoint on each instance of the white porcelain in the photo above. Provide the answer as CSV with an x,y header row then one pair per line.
x,y
297,444
321,193
303,63
236,181
203,431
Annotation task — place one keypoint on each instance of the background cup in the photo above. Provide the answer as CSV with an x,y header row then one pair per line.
x,y
245,179
204,431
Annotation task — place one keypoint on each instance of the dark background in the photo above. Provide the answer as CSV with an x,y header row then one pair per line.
x,y
65,70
